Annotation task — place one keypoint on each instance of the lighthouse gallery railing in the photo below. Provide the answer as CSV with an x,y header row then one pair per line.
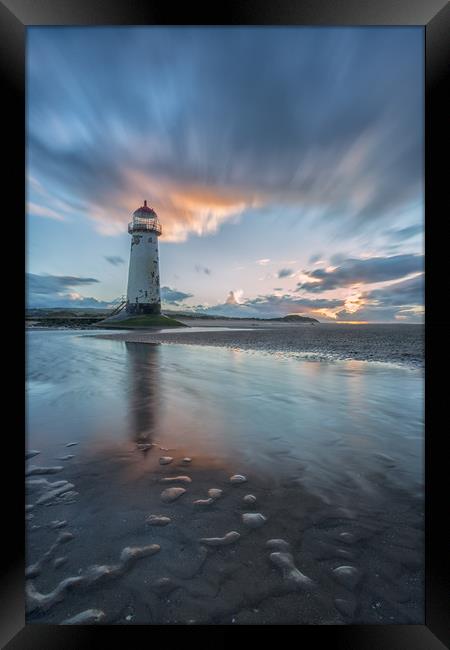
x,y
142,224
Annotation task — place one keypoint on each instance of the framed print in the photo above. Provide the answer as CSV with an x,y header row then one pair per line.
x,y
233,261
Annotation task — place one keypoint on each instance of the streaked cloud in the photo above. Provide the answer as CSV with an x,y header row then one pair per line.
x,y
53,283
35,210
268,147
401,301
269,306
285,273
408,292
58,291
316,258
401,234
173,296
115,260
202,269
337,127
368,270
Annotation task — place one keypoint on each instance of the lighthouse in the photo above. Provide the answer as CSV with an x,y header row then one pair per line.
x,y
143,293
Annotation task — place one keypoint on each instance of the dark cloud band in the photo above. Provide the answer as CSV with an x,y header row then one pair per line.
x,y
48,284
315,117
115,260
370,270
173,296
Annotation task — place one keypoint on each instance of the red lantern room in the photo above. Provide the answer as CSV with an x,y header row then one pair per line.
x,y
145,219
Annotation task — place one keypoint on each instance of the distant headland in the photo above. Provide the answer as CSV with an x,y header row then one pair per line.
x,y
89,317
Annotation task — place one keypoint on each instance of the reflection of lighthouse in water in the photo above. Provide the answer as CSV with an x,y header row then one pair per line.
x,y
144,395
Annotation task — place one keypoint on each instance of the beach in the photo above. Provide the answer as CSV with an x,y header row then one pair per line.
x,y
324,425
398,344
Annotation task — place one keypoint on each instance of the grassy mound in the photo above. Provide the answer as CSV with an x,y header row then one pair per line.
x,y
142,321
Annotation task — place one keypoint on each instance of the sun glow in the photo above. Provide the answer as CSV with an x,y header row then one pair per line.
x,y
187,208
354,302
328,313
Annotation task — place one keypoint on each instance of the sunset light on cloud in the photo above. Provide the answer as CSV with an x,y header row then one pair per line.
x,y
285,162
186,209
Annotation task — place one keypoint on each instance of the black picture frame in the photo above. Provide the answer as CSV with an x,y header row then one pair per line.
x,y
434,17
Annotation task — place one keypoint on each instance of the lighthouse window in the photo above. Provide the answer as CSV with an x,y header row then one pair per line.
x,y
150,239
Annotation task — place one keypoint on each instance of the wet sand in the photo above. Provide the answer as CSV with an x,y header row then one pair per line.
x,y
190,582
352,533
239,323
399,344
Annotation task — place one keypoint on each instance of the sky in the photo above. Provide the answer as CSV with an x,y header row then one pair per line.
x,y
285,166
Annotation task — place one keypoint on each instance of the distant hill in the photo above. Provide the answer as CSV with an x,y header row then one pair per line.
x,y
93,314
77,318
291,318
295,318
66,312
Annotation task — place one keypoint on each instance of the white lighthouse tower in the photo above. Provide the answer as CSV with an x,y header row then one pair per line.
x,y
143,293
